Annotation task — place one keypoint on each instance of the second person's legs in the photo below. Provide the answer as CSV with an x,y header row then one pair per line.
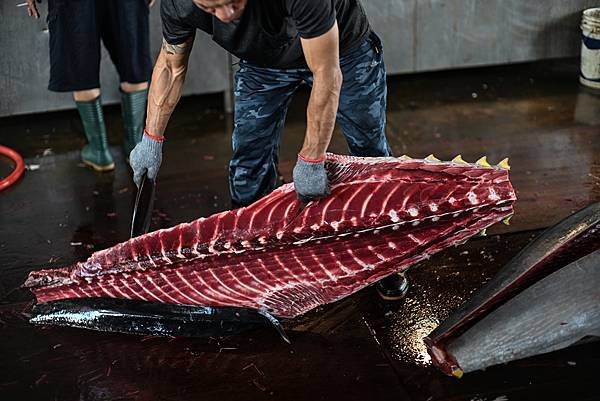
x,y
125,33
134,98
96,153
74,67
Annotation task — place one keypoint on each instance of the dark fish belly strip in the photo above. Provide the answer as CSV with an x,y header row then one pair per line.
x,y
147,318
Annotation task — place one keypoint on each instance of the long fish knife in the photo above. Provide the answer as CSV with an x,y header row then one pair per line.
x,y
142,210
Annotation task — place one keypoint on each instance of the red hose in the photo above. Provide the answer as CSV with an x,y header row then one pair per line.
x,y
19,167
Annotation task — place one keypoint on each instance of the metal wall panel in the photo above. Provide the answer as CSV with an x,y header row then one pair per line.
x,y
393,20
24,64
423,35
482,32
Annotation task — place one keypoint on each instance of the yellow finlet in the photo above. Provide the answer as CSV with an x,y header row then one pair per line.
x,y
432,158
507,220
458,159
406,157
504,164
457,372
483,162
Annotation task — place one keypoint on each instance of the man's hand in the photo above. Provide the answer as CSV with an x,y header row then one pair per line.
x,y
310,179
32,9
146,157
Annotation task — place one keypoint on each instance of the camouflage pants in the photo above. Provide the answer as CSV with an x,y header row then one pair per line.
x,y
262,96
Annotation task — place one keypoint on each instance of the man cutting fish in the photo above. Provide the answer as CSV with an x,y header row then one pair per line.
x,y
281,44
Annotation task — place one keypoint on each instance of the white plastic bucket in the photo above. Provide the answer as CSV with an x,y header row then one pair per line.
x,y
590,48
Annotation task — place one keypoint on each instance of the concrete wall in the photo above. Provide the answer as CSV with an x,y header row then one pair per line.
x,y
418,35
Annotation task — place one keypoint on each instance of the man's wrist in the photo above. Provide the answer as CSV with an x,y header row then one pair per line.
x,y
312,152
153,137
307,159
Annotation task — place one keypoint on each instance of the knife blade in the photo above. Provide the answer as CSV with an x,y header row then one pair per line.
x,y
142,210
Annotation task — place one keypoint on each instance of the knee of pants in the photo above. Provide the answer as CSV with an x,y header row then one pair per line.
x,y
378,147
366,135
253,142
250,179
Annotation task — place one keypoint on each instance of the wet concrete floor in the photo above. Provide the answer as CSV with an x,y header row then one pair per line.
x,y
358,349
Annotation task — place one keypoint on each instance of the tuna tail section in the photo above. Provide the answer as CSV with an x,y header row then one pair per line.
x,y
572,245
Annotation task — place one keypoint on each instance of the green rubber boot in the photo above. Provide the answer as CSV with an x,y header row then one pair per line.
x,y
95,154
133,109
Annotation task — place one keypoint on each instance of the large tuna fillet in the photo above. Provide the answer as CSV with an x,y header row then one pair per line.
x,y
383,215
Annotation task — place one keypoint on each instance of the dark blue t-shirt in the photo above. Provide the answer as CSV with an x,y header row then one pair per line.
x,y
269,31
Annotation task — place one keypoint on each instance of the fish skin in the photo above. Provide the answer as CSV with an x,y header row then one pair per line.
x,y
575,236
147,318
384,214
554,313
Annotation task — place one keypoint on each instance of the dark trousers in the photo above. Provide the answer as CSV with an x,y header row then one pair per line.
x,y
262,96
76,29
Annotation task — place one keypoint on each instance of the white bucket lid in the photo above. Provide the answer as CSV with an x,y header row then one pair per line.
x,y
591,20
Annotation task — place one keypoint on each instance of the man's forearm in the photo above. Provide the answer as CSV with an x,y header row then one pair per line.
x,y
166,86
321,112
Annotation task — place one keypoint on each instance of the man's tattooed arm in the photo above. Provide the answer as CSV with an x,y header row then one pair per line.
x,y
166,85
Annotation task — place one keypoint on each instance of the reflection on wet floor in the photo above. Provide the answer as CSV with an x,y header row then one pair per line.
x,y
359,348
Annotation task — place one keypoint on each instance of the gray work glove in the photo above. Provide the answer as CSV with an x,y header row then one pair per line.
x,y
146,156
310,180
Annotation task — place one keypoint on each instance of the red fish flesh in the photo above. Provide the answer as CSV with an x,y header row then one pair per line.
x,y
383,215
